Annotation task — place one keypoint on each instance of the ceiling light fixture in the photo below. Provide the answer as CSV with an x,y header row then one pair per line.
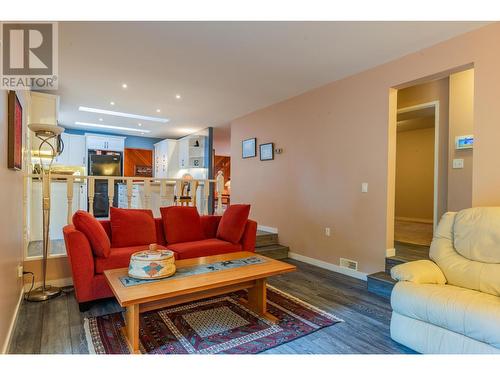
x,y
124,85
100,119
123,114
112,103
139,124
92,125
177,96
158,110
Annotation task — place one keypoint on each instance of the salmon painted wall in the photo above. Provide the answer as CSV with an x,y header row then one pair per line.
x,y
11,227
340,135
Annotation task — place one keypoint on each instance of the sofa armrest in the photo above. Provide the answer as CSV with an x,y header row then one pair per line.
x,y
249,236
419,272
81,259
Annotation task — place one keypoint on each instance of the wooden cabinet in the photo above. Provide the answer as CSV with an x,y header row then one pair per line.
x,y
105,142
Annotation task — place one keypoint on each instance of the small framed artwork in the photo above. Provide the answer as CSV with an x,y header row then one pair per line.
x,y
143,171
267,151
15,132
249,148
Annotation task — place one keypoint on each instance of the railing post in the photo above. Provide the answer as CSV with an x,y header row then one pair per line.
x,y
206,193
111,191
178,192
163,193
219,185
69,196
147,193
129,193
91,189
193,191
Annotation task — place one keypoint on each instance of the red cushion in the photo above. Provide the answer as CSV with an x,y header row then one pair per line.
x,y
131,227
119,257
181,224
232,224
93,230
203,248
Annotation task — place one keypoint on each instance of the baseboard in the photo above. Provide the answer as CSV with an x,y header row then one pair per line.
x,y
57,282
390,252
414,220
329,266
267,229
10,332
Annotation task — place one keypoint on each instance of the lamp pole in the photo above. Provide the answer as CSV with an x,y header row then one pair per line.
x,y
46,134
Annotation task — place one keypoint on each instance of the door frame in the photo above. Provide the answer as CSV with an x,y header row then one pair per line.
x,y
431,104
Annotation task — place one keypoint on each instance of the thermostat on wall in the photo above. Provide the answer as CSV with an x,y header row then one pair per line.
x,y
463,142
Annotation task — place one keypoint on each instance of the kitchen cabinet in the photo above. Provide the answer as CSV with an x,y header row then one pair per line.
x,y
164,155
183,153
105,142
74,152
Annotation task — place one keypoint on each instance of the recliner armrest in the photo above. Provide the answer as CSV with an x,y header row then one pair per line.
x,y
419,272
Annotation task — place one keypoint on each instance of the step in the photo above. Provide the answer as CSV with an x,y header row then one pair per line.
x,y
380,283
266,239
406,253
273,251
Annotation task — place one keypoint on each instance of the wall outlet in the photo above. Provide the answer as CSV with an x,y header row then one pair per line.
x,y
327,232
364,187
20,270
458,163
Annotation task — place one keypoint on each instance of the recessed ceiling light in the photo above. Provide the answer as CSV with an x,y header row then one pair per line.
x,y
158,110
177,96
100,119
112,103
92,125
139,124
124,85
123,114
142,133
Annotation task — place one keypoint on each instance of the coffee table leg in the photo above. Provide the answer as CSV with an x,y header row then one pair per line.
x,y
132,327
257,297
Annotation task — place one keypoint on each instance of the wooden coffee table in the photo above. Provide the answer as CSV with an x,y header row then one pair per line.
x,y
155,295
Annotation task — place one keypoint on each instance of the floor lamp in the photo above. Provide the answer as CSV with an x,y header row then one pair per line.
x,y
47,134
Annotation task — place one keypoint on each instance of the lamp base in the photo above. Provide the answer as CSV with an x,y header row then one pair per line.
x,y
40,294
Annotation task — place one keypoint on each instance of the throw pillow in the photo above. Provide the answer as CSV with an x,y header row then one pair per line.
x,y
132,227
181,224
233,222
94,231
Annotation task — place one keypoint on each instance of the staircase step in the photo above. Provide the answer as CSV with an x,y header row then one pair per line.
x,y
406,253
266,239
391,262
273,251
380,283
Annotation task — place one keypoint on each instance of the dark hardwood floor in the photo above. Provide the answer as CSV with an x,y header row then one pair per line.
x,y
56,326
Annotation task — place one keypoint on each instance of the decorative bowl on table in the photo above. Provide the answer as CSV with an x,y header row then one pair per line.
x,y
151,264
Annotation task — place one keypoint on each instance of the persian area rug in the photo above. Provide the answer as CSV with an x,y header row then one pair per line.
x,y
211,326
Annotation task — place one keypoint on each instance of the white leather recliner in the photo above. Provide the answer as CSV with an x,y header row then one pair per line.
x,y
452,303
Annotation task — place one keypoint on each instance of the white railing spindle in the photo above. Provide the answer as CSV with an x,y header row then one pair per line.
x,y
111,191
91,193
219,185
147,193
69,196
129,193
206,193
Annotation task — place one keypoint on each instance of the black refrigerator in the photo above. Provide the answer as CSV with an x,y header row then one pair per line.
x,y
104,163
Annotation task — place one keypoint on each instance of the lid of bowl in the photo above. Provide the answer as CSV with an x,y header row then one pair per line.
x,y
149,255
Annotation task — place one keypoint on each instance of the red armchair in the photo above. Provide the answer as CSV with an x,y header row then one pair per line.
x,y
88,277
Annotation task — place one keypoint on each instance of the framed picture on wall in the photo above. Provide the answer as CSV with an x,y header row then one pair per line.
x,y
267,151
15,132
249,148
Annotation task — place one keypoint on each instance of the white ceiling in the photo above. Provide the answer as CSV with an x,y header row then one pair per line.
x,y
223,70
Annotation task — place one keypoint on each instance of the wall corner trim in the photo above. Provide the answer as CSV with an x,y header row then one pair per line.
x,y
267,229
10,332
328,266
390,252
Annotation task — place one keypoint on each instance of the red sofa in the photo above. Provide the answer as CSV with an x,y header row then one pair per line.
x,y
88,278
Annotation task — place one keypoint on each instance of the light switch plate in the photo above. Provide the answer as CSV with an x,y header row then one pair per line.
x,y
364,187
458,163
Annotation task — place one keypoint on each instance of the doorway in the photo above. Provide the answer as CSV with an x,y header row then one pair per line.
x,y
416,188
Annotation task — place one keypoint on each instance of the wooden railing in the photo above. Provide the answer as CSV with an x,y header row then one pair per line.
x,y
169,191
